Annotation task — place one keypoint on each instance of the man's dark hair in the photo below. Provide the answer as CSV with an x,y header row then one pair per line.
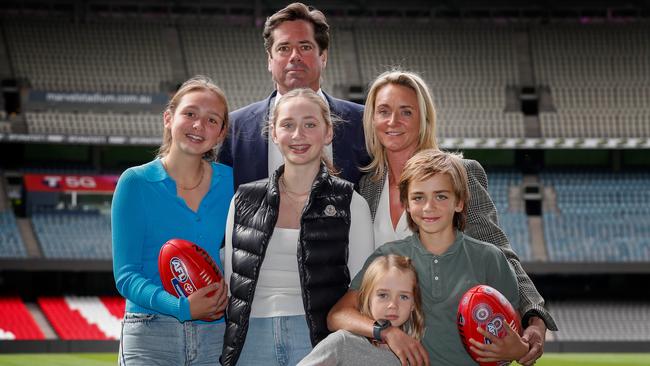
x,y
298,11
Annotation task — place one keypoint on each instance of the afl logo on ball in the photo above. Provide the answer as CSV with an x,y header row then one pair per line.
x,y
178,269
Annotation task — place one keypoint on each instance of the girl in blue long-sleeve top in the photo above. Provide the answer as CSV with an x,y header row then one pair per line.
x,y
183,194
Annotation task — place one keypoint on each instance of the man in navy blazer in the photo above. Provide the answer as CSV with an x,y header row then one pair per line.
x,y
296,41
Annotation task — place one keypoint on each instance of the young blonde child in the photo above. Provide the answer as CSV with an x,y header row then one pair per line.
x,y
390,295
433,190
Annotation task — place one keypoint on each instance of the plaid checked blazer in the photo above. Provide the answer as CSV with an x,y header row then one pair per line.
x,y
482,224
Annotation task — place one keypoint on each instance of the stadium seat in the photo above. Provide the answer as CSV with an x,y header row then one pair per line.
x,y
513,221
114,304
467,67
90,123
598,77
217,51
16,323
606,223
57,55
74,317
11,243
5,127
73,235
601,321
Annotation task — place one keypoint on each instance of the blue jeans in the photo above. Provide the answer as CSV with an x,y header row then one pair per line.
x,y
155,339
281,341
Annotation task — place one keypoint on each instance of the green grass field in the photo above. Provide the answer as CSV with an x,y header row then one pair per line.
x,y
105,359
594,359
59,359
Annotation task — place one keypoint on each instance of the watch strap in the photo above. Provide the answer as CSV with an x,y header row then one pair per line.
x,y
378,327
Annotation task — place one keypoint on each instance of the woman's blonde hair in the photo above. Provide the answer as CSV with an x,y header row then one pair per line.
x,y
414,326
425,165
312,97
427,139
196,83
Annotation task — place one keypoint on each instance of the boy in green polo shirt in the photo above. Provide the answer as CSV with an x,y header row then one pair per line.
x,y
433,190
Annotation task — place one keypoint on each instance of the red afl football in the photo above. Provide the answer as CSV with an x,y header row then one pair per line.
x,y
186,267
485,307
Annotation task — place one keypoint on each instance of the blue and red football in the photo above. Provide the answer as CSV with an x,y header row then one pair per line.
x,y
485,307
186,267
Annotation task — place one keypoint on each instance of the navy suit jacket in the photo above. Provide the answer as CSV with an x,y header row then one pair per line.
x,y
245,148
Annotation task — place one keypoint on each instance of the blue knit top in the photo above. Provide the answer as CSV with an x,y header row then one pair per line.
x,y
147,212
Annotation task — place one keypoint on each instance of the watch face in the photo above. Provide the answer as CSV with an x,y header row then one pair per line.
x,y
383,323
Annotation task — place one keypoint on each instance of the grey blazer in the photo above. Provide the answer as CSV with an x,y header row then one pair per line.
x,y
482,224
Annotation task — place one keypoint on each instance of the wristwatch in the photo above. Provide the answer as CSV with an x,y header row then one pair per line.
x,y
379,325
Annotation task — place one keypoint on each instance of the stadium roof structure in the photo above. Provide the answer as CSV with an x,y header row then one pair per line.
x,y
334,8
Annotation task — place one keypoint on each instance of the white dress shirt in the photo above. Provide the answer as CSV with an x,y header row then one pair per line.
x,y
383,226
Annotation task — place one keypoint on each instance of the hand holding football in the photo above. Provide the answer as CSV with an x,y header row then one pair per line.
x,y
485,307
185,268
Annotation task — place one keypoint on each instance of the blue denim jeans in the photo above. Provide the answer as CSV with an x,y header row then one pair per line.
x,y
281,341
155,339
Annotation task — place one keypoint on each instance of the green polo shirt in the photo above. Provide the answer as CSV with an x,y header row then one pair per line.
x,y
443,280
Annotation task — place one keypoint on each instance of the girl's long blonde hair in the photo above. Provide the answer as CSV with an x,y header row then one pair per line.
x,y
414,326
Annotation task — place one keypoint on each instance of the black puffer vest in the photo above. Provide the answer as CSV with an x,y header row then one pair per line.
x,y
322,252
